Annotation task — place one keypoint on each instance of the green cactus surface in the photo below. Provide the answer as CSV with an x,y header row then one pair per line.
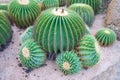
x,y
31,55
27,34
89,51
7,15
87,30
62,2
69,63
106,37
5,31
4,6
49,4
24,12
57,30
85,11
95,4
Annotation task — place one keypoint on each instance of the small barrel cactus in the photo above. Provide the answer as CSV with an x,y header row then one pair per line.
x,y
31,55
24,12
89,51
69,62
49,3
85,11
4,6
28,34
95,4
7,15
106,37
57,30
62,2
5,31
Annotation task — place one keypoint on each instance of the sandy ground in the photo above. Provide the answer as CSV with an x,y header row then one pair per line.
x,y
9,69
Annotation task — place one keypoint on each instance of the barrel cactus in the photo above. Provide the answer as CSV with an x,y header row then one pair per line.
x,y
5,31
24,12
95,4
89,51
49,3
68,62
4,6
27,34
62,2
31,55
7,15
106,37
85,11
58,30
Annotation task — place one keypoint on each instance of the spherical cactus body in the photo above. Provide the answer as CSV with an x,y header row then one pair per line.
x,y
62,2
85,11
5,31
49,4
69,62
4,6
58,30
95,4
106,37
31,55
89,51
24,12
7,15
28,34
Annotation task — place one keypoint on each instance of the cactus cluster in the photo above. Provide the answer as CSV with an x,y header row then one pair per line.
x,y
68,62
85,11
106,37
24,12
95,4
5,31
89,51
57,30
49,3
27,34
31,55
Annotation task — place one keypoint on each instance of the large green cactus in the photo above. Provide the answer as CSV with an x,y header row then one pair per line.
x,y
106,37
95,4
69,62
89,51
5,31
24,12
49,3
28,34
85,11
58,30
31,55
62,2
4,6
